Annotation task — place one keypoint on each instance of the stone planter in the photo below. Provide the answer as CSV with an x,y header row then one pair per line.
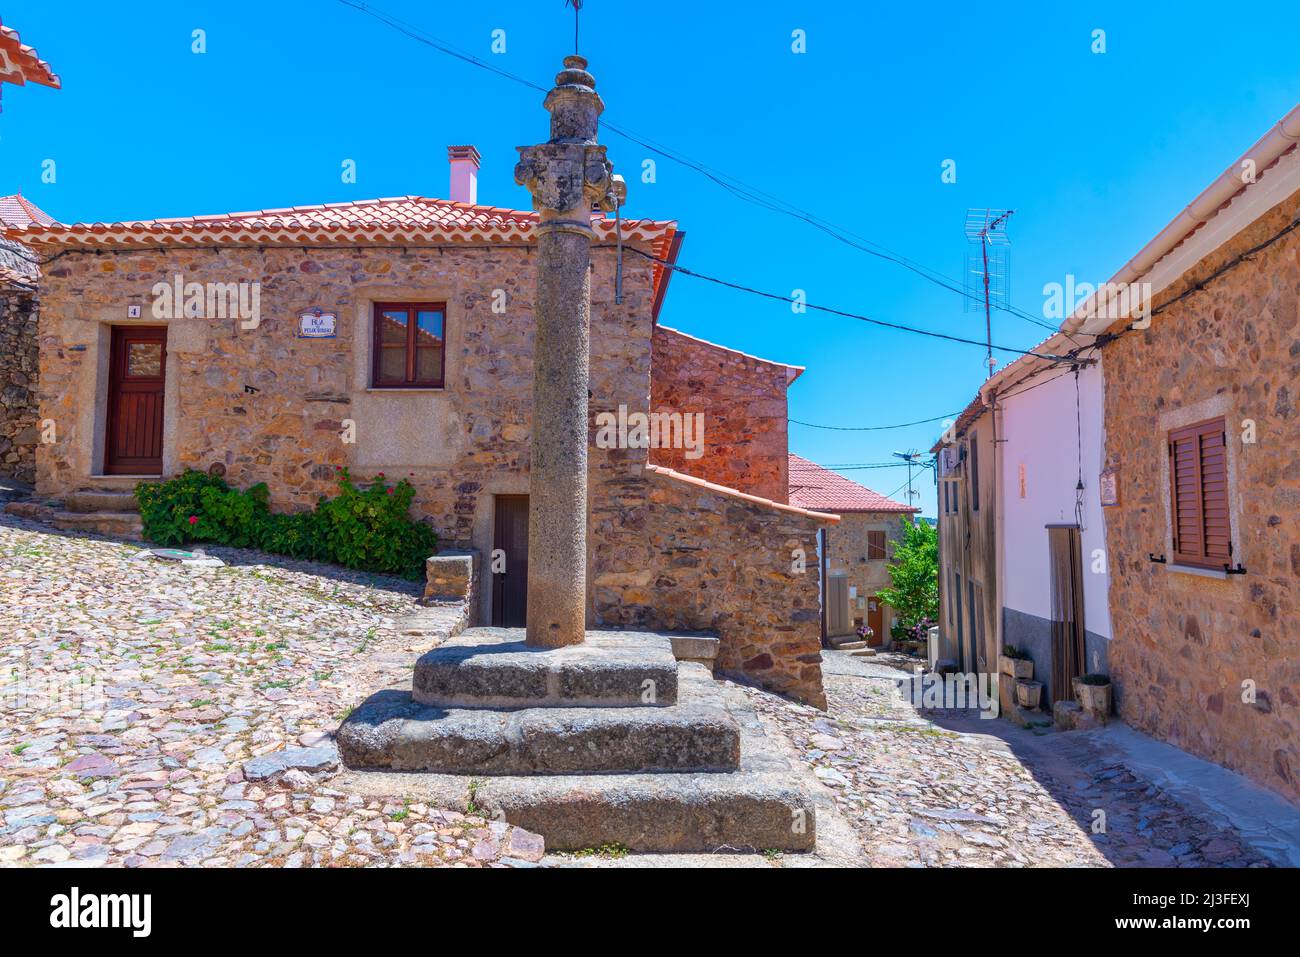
x,y
1018,669
1029,694
1094,699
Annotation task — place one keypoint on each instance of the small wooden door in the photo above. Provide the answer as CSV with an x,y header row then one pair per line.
x,y
136,372
876,620
509,565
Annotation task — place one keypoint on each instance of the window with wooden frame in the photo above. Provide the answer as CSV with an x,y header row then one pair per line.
x,y
875,546
1198,495
409,345
974,472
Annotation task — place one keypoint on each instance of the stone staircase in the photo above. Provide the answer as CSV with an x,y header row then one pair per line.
x,y
613,741
112,513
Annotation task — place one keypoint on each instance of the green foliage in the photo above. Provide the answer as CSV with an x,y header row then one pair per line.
x,y
914,574
1095,679
368,529
1011,651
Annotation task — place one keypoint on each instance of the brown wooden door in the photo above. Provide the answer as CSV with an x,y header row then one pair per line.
x,y
137,368
876,620
509,565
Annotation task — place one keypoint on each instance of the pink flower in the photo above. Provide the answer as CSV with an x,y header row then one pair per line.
x,y
390,491
379,475
194,520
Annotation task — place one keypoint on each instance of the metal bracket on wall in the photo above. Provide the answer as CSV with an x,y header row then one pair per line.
x,y
1239,570
1159,561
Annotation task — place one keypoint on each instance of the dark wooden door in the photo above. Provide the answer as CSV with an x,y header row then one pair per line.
x,y
509,564
138,366
876,620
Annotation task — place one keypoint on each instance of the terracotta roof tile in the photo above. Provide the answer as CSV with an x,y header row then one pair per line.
x,y
815,487
20,64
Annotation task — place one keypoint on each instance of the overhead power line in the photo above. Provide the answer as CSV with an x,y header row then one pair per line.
x,y
872,428
837,312
731,184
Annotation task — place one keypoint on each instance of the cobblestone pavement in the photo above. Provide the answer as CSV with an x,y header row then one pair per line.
x,y
136,692
133,693
940,788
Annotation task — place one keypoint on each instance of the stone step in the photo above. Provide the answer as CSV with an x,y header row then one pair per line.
x,y
390,731
850,645
494,668
111,524
96,501
762,805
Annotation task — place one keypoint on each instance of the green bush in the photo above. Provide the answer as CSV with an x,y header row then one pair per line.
x,y
369,529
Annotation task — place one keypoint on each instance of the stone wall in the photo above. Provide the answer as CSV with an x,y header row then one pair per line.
x,y
678,553
743,400
1185,643
269,406
18,378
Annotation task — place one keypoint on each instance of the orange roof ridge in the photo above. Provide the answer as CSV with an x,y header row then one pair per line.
x,y
716,345
736,493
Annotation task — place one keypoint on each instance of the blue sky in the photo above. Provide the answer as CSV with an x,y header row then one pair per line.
x,y
1096,152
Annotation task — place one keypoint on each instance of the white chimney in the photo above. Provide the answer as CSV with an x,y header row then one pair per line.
x,y
464,174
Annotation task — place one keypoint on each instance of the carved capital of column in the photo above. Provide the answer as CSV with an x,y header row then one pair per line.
x,y
568,181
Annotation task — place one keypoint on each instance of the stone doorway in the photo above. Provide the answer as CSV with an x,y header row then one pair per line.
x,y
136,376
509,564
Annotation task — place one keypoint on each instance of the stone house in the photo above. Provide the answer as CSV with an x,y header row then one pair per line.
x,y
1201,428
18,343
856,551
1139,513
393,337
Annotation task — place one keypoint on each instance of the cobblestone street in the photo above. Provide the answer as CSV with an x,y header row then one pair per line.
x,y
946,788
137,691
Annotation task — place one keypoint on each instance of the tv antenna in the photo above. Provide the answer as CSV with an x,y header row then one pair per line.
x,y
577,9
988,267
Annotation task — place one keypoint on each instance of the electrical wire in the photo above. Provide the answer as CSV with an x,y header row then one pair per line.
x,y
872,428
726,181
837,312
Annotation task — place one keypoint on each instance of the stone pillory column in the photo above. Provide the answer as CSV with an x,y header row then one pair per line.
x,y
568,176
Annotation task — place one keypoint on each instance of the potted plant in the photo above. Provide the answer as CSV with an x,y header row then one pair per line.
x,y
865,633
1015,663
1092,691
1029,694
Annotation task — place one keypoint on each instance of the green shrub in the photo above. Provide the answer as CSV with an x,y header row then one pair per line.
x,y
368,529
1095,679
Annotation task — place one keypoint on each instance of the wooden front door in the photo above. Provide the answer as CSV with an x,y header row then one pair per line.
x,y
876,620
137,368
509,564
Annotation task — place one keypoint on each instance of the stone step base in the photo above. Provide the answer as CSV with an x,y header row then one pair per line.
x,y
1027,718
100,502
124,525
111,524
494,668
850,646
762,805
391,732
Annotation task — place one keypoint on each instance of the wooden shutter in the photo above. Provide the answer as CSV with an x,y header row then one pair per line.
x,y
1198,496
875,546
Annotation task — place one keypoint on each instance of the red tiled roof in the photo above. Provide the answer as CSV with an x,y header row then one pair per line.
x,y
19,62
19,211
819,489
393,220
17,262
